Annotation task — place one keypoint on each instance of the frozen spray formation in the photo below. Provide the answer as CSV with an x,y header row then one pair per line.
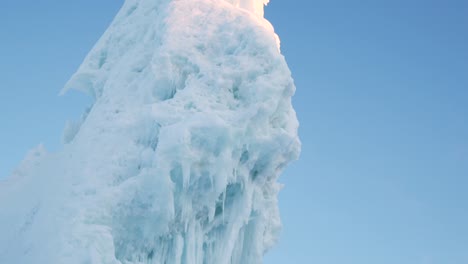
x,y
177,160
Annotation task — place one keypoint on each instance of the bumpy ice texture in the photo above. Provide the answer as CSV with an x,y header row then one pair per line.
x,y
177,160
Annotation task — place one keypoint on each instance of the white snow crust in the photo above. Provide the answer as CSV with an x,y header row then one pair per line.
x,y
177,160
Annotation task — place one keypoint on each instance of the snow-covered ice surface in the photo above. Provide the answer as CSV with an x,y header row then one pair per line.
x,y
177,160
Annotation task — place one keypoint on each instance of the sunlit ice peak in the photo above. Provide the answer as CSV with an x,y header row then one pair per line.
x,y
254,6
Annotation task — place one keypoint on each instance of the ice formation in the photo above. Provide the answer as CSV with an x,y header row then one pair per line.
x,y
177,160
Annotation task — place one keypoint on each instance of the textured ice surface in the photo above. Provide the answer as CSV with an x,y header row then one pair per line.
x,y
177,160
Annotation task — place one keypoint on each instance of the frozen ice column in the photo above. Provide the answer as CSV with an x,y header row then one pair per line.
x,y
178,158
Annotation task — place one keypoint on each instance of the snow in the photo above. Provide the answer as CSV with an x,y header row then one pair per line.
x,y
178,158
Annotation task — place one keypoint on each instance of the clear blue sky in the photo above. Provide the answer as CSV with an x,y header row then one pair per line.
x,y
382,97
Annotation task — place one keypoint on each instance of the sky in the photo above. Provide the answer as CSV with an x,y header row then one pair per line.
x,y
382,98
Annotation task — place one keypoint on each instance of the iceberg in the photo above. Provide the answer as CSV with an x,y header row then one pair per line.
x,y
177,159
